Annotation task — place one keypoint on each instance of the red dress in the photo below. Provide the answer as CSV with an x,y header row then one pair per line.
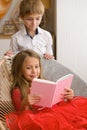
x,y
70,115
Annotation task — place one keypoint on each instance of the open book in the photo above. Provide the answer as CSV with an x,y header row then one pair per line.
x,y
51,92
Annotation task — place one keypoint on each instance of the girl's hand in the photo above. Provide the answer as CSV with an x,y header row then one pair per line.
x,y
33,99
68,94
48,56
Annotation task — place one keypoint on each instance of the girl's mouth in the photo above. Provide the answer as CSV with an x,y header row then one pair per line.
x,y
33,76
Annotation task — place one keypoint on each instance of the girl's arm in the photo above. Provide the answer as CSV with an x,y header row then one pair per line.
x,y
16,99
25,104
18,102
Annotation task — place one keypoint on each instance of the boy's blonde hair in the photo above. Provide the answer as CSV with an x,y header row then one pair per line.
x,y
31,7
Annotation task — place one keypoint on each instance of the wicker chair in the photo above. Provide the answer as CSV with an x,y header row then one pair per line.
x,y
5,85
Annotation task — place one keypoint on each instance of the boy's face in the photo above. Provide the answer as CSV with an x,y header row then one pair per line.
x,y
32,21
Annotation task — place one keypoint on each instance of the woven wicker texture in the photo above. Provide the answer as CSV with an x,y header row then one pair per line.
x,y
5,86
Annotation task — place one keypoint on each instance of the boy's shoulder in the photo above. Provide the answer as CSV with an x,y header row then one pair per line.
x,y
43,31
19,33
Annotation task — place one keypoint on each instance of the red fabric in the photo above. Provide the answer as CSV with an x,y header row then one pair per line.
x,y
16,99
70,115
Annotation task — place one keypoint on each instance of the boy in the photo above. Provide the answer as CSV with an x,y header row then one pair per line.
x,y
32,36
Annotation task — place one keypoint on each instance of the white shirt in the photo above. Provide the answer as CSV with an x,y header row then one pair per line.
x,y
41,42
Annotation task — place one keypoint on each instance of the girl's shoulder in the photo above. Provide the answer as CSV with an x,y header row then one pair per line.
x,y
16,98
16,91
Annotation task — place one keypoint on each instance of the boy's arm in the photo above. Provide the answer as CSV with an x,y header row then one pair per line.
x,y
48,56
49,50
13,45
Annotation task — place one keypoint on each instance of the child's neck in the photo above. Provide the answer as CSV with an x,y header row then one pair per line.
x,y
32,33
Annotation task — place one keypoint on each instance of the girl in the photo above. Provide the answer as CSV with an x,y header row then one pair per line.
x,y
32,36
66,115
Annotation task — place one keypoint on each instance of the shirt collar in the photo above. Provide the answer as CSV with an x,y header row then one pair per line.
x,y
24,32
39,30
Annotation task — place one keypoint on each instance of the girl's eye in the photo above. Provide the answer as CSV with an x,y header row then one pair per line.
x,y
36,66
28,68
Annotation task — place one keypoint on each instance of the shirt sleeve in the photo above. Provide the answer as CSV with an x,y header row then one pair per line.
x,y
49,48
16,99
13,44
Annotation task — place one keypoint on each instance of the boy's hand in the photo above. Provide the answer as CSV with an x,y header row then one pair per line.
x,y
48,56
8,53
32,99
68,94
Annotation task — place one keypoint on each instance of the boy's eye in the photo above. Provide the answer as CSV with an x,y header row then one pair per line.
x,y
38,18
29,19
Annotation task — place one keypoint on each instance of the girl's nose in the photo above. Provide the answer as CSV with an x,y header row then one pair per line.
x,y
33,70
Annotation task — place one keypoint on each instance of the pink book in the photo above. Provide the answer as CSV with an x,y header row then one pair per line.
x,y
50,92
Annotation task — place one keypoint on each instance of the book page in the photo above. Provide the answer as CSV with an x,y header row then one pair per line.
x,y
64,77
62,83
44,81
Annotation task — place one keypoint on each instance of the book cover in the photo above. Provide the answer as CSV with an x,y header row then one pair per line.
x,y
50,92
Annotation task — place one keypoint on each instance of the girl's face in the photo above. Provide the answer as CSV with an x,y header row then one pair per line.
x,y
32,21
31,68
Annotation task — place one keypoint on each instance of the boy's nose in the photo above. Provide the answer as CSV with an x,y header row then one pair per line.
x,y
34,22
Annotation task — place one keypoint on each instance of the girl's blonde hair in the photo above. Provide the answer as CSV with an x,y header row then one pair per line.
x,y
31,7
16,70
